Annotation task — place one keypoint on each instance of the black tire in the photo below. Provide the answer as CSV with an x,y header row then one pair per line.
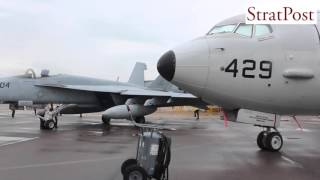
x,y
274,141
261,140
126,164
105,121
50,124
140,120
135,172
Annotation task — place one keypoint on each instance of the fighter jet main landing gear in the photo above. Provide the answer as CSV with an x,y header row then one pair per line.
x,y
105,120
140,120
270,140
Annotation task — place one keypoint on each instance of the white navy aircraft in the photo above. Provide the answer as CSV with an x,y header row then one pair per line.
x,y
86,95
255,72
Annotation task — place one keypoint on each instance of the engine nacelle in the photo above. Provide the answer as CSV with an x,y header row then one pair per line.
x,y
121,111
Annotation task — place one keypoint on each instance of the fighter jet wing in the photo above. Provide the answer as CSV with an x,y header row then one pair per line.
x,y
119,89
156,93
107,89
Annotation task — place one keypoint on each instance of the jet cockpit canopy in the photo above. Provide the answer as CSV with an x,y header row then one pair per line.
x,y
45,73
30,73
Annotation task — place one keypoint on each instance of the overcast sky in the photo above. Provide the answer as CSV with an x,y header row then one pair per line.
x,y
101,38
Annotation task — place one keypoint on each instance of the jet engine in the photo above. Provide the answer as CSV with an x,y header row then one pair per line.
x,y
121,111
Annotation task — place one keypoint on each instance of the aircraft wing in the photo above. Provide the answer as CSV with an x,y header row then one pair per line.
x,y
148,96
156,94
118,89
106,89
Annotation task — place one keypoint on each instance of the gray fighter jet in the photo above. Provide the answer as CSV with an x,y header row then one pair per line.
x,y
270,69
87,95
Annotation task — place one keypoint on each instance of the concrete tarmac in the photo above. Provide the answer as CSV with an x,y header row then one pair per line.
x,y
83,148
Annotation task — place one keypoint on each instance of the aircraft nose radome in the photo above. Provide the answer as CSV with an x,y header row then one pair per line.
x,y
167,65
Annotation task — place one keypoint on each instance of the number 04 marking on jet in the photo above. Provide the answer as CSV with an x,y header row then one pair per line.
x,y
4,85
265,68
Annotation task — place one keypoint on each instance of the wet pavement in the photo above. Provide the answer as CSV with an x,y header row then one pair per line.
x,y
82,149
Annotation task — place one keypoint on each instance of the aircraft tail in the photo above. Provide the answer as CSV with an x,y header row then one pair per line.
x,y
160,84
137,75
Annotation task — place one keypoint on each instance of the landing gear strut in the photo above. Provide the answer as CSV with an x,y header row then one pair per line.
x,y
105,121
270,140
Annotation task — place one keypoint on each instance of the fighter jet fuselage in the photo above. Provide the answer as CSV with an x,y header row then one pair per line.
x,y
267,68
26,89
77,95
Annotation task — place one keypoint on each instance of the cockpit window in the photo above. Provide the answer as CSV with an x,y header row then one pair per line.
x,y
222,29
262,29
245,30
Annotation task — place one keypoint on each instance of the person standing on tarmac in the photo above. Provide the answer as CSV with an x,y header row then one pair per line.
x,y
196,113
13,113
12,107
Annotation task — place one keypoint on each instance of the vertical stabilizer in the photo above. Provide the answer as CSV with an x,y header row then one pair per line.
x,y
137,75
159,84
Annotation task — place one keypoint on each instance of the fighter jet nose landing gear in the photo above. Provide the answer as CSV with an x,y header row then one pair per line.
x,y
48,123
49,118
270,141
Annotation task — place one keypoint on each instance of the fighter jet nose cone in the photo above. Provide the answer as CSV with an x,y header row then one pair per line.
x,y
167,65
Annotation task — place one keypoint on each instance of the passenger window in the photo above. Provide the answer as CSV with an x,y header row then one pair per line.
x,y
245,30
262,29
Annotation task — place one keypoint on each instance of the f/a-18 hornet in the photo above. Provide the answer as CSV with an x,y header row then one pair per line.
x,y
86,95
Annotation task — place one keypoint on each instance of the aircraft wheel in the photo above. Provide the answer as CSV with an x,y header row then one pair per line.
x,y
140,120
106,121
274,141
261,140
50,124
126,164
135,172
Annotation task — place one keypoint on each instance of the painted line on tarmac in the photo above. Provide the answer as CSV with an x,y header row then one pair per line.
x,y
24,122
14,140
290,161
31,131
59,163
